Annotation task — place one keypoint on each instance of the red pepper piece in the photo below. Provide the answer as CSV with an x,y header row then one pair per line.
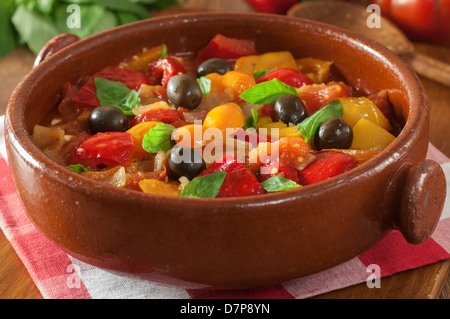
x,y
162,70
86,96
290,77
316,96
252,138
104,150
226,48
268,110
167,116
271,6
239,180
285,171
326,165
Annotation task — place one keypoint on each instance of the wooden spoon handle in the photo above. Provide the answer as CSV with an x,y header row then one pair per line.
x,y
430,68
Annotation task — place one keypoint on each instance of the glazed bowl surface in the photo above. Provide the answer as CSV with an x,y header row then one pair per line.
x,y
234,242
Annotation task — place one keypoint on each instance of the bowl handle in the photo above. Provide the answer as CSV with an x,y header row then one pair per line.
x,y
54,45
422,201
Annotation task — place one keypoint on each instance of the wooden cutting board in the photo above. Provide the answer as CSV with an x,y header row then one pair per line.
x,y
430,281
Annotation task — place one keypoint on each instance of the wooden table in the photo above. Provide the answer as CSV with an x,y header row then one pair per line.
x,y
430,281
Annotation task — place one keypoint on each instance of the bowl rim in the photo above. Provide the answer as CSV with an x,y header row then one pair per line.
x,y
15,118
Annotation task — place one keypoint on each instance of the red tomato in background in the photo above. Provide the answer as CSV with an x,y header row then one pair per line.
x,y
271,6
423,20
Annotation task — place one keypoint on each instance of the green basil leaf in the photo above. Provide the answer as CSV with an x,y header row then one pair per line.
x,y
158,138
125,6
205,85
259,74
90,16
34,28
108,21
163,51
7,33
117,94
279,183
252,121
267,92
309,126
78,168
207,186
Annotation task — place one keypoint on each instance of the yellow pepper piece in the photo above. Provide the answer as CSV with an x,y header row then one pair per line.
x,y
229,115
266,62
156,187
369,136
160,105
356,108
317,70
140,62
233,82
138,132
265,125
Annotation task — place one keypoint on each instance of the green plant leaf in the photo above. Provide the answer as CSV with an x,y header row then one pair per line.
x,y
117,94
267,92
279,183
7,33
205,85
207,186
78,168
252,121
125,6
34,29
158,138
309,126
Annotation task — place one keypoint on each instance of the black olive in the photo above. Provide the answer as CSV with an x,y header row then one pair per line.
x,y
184,91
213,66
334,133
107,119
185,161
290,109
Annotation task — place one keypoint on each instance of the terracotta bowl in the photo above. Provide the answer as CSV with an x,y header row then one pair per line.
x,y
234,242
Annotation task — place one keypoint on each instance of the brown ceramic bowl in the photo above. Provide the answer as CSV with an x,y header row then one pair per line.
x,y
233,242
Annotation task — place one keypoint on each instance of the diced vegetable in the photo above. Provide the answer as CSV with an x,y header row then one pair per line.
x,y
104,150
142,61
317,70
157,187
239,181
225,116
162,70
87,94
316,96
233,82
369,136
138,132
327,164
167,116
266,61
227,48
290,77
356,108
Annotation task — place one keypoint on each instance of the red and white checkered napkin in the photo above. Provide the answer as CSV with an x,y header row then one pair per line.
x,y
58,275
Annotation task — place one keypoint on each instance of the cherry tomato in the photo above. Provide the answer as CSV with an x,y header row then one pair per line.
x,y
162,70
104,150
424,20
